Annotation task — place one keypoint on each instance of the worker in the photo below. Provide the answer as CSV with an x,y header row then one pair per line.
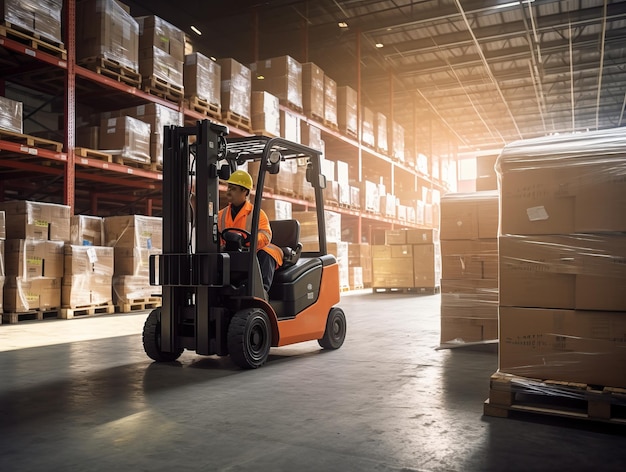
x,y
238,214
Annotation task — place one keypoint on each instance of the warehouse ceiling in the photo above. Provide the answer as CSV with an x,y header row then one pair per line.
x,y
462,76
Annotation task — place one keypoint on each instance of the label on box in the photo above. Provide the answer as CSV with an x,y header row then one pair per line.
x,y
91,254
537,213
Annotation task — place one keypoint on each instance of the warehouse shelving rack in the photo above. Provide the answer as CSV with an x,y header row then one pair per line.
x,y
99,181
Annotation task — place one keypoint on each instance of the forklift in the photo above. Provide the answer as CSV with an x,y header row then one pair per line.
x,y
213,301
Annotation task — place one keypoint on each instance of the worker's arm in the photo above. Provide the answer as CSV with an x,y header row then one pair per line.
x,y
265,232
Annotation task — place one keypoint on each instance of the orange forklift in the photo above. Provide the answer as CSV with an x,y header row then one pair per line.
x,y
213,301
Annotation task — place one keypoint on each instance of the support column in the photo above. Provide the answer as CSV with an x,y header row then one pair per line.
x,y
69,105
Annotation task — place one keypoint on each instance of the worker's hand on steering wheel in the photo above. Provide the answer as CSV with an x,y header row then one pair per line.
x,y
245,234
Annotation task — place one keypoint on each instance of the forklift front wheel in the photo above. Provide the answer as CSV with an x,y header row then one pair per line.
x,y
335,332
249,338
152,339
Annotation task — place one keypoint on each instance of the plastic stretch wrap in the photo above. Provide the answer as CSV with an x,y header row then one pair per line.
x,y
265,113
157,63
85,260
330,101
397,141
130,288
282,76
86,230
381,132
155,31
236,87
202,77
86,290
36,220
10,115
564,184
347,109
134,231
42,17
22,295
367,130
104,28
313,90
126,137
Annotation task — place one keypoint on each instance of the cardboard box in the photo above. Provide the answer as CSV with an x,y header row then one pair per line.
x,y
86,230
456,328
395,236
477,259
469,215
31,258
427,265
276,209
22,295
130,288
368,133
157,64
84,260
10,115
396,131
236,87
158,33
282,76
86,290
311,136
564,345
132,231
313,90
133,260
265,113
126,137
105,29
381,133
202,78
330,101
42,18
481,294
582,271
36,220
347,110
422,236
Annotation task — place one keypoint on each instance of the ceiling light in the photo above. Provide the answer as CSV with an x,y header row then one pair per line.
x,y
379,45
260,77
213,58
196,30
342,24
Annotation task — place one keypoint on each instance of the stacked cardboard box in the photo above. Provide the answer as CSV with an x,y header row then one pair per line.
x,y
368,131
161,51
381,133
426,257
392,264
330,102
360,257
236,88
134,239
126,137
309,231
562,252
154,114
40,17
311,136
265,114
340,250
36,234
281,76
290,126
469,251
10,115
105,29
201,79
396,130
347,110
313,91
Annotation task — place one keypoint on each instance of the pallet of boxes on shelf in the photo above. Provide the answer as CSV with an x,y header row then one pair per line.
x,y
35,24
265,111
381,132
107,40
134,239
88,270
360,265
469,253
202,82
36,233
313,91
161,58
347,105
281,76
562,303
330,103
236,90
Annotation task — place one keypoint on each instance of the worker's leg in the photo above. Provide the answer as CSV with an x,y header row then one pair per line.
x,y
268,266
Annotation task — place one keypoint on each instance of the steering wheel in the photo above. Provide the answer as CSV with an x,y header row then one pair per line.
x,y
236,231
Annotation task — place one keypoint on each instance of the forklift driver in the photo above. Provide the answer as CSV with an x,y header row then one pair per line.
x,y
236,215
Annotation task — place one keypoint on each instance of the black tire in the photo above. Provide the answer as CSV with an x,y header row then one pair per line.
x,y
152,339
249,338
335,333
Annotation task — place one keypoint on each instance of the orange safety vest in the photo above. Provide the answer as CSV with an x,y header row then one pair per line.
x,y
243,220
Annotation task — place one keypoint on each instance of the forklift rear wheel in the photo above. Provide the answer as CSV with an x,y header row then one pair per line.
x,y
335,332
152,339
249,338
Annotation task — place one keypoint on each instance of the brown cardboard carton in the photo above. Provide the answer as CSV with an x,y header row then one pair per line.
x,y
10,115
236,87
30,258
132,231
133,260
395,236
21,295
564,345
347,110
36,220
156,32
86,230
126,137
130,288
83,260
282,76
86,290
427,265
468,259
422,236
313,90
471,293
330,101
201,78
456,328
265,113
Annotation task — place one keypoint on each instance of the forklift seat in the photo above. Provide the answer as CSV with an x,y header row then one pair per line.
x,y
286,235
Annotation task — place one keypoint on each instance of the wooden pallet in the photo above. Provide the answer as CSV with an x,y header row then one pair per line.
x,y
203,106
510,393
112,69
130,162
348,132
138,304
314,116
67,313
33,40
420,290
331,125
30,315
236,120
31,141
93,154
161,88
293,106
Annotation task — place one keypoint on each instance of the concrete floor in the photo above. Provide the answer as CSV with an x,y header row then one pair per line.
x,y
80,395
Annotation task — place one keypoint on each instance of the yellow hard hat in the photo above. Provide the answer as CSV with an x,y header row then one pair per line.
x,y
241,178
